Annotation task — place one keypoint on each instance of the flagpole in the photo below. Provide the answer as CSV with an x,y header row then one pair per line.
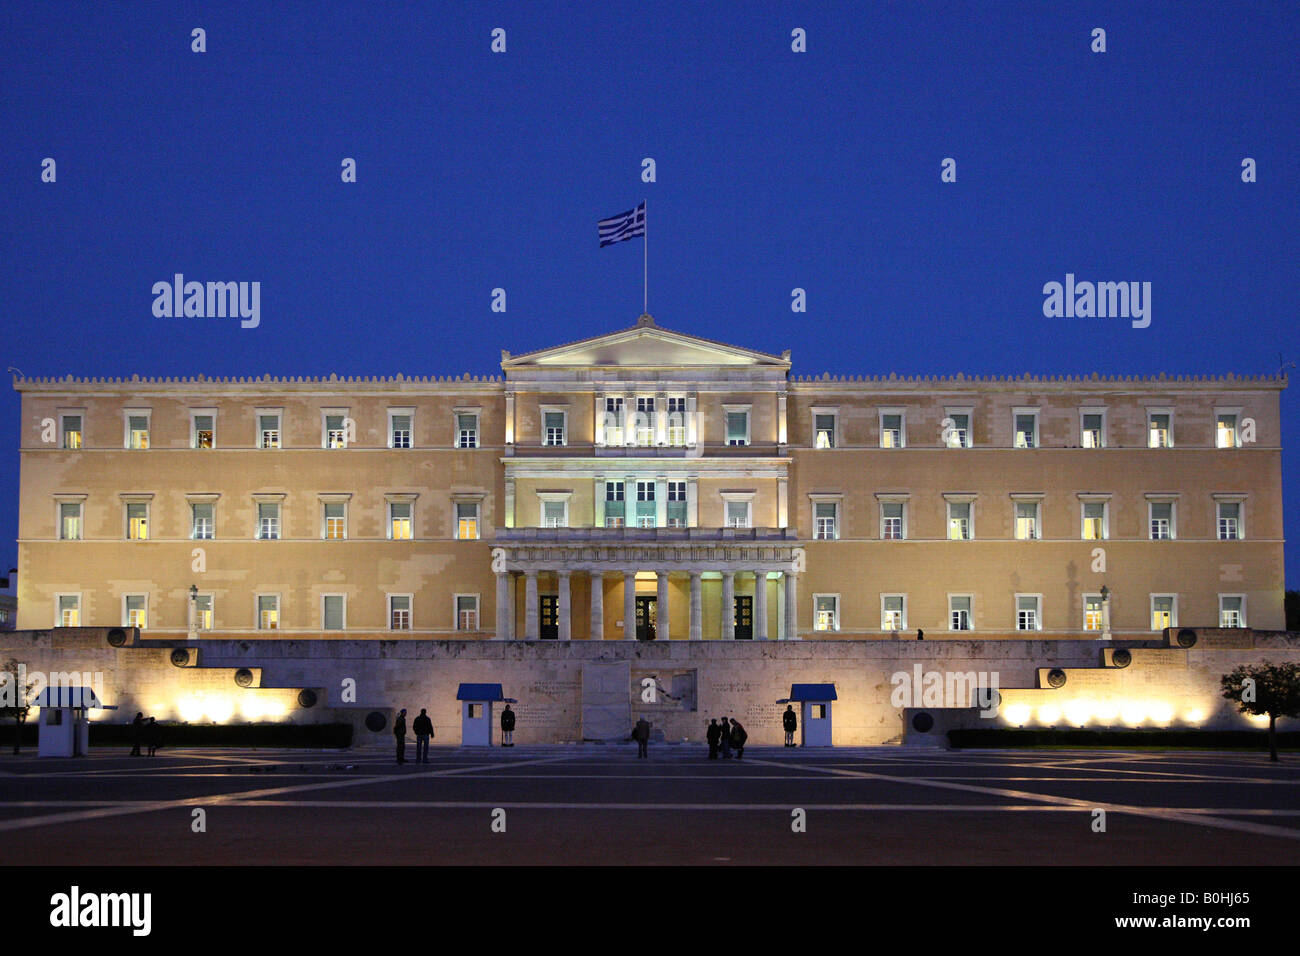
x,y
645,264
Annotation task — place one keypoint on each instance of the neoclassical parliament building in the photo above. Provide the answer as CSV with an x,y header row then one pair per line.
x,y
651,485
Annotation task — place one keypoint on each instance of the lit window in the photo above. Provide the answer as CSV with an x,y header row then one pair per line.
x,y
399,612
467,520
959,612
399,431
825,514
1162,520
336,433
737,514
467,612
1229,521
676,512
1092,612
137,431
677,421
399,520
268,612
615,514
202,524
1231,612
268,521
554,422
555,514
957,434
1090,434
645,420
136,611
826,612
1026,430
137,521
69,610
72,431
1094,520
959,521
891,431
466,430
891,520
205,431
892,617
203,612
614,420
737,428
336,521
333,608
268,431
1225,431
824,431
1027,616
1159,434
646,508
1162,612
70,521
1026,520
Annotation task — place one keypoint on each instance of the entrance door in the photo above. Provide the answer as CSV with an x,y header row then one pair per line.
x,y
646,618
744,617
548,626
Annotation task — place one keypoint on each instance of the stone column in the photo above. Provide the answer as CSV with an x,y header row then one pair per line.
x,y
629,605
505,608
697,608
565,609
791,606
530,605
661,607
760,605
597,606
728,605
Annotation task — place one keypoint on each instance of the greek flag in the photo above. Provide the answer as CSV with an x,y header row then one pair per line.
x,y
626,225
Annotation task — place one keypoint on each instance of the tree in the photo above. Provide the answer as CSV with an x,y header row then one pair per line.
x,y
15,697
1265,689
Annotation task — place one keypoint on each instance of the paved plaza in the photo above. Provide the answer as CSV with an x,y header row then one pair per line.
x,y
600,804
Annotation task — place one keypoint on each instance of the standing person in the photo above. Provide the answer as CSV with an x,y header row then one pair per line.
x,y
920,634
641,734
507,727
713,735
724,738
738,737
399,734
791,723
137,733
153,736
423,728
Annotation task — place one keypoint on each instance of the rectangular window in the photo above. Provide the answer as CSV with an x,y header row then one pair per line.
x,y
823,431
202,520
467,520
268,431
204,615
892,612
615,514
268,612
614,420
891,430
70,521
399,431
467,612
1027,520
137,429
825,520
957,430
1027,613
399,612
959,521
646,513
72,432
737,428
204,431
137,610
466,430
738,514
336,433
1162,520
1026,429
1225,431
959,612
333,612
336,521
554,425
1091,434
268,521
891,520
1092,612
1232,610
555,514
826,612
1229,521
645,421
1094,520
676,513
137,521
69,610
1162,612
1159,432
399,520
677,421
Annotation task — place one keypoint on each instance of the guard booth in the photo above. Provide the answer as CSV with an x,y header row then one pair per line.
x,y
814,702
476,718
63,728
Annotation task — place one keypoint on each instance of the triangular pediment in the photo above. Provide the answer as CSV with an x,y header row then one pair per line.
x,y
645,345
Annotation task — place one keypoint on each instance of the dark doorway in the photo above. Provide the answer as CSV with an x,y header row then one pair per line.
x,y
549,614
646,618
744,617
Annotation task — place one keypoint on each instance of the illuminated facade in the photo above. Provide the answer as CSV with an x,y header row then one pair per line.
x,y
655,485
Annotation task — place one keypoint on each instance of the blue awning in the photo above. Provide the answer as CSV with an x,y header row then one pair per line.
x,y
482,692
817,693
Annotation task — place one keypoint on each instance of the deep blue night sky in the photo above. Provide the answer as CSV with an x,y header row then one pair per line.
x,y
775,170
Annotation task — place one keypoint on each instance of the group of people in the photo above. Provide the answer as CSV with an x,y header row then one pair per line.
x,y
422,727
725,736
146,731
